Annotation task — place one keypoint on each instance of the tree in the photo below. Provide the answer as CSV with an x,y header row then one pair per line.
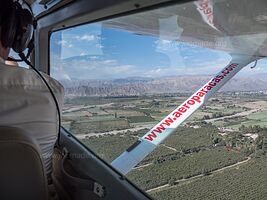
x,y
259,153
259,142
264,144
206,117
171,182
216,140
217,114
205,172
246,151
222,143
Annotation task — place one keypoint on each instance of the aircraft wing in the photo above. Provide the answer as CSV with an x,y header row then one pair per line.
x,y
235,26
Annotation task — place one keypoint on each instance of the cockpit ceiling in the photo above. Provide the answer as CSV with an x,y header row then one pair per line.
x,y
38,1
41,7
235,26
30,1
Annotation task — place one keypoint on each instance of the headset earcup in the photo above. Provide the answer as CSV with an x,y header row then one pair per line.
x,y
24,30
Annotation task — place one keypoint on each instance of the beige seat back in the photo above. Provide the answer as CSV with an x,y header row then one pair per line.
x,y
22,174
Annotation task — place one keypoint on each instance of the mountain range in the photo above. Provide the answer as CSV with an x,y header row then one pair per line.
x,y
174,84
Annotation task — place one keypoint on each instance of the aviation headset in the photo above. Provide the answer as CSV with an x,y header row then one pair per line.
x,y
16,27
16,32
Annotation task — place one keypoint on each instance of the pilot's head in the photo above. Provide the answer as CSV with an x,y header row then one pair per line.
x,y
15,27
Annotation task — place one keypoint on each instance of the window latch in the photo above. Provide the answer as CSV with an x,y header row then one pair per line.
x,y
99,190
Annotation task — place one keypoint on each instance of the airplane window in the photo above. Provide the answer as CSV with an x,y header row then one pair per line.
x,y
123,76
15,56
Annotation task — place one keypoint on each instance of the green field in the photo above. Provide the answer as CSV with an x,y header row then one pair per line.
x,y
246,182
186,138
109,147
98,126
257,118
138,119
179,167
185,166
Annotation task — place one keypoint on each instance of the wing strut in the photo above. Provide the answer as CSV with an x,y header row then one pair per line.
x,y
145,145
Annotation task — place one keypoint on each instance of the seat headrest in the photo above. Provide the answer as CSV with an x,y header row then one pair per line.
x,y
22,171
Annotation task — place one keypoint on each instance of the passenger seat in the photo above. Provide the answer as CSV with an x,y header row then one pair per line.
x,y
22,174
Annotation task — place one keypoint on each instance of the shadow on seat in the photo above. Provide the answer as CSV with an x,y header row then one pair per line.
x,y
22,174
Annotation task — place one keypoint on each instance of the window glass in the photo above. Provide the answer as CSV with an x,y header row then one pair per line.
x,y
122,76
15,56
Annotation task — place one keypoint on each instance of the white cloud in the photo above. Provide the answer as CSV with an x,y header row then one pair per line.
x,y
62,42
109,62
94,57
99,46
121,69
165,42
166,45
66,77
87,37
91,68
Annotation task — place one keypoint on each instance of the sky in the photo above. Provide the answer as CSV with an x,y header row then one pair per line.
x,y
94,51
